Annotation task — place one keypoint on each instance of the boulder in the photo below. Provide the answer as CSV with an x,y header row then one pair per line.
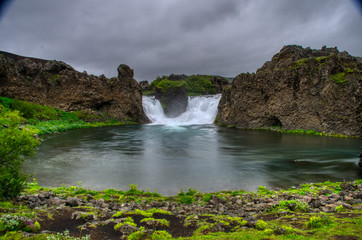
x,y
174,100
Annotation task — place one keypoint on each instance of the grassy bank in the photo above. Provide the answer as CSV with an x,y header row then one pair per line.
x,y
79,213
290,131
46,120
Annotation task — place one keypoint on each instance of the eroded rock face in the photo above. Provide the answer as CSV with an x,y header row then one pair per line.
x,y
174,101
57,84
318,90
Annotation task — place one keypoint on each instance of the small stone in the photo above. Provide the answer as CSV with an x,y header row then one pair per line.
x,y
306,199
72,202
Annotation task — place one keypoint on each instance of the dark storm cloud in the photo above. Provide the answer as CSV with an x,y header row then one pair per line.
x,y
158,37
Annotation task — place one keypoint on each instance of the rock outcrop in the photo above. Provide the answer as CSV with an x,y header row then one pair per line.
x,y
174,101
57,84
299,88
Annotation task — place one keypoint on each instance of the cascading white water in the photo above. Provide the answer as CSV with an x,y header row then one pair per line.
x,y
200,110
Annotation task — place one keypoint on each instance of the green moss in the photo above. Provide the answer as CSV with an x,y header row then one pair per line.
x,y
297,64
318,221
339,78
158,222
261,225
321,59
137,235
160,235
128,221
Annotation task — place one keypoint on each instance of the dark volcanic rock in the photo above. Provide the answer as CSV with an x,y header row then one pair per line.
x,y
318,90
220,83
144,85
174,100
57,84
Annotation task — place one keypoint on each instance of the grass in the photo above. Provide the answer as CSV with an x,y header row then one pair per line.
x,y
47,120
302,131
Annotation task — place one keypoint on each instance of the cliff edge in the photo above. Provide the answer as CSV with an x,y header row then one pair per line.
x,y
300,88
57,84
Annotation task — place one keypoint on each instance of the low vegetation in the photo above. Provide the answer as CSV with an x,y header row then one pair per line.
x,y
284,219
194,84
44,120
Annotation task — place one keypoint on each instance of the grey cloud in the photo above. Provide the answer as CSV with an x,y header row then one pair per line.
x,y
181,36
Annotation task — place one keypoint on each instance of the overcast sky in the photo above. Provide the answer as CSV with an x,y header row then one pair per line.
x,y
160,37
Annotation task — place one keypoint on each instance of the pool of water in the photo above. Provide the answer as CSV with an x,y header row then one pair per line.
x,y
205,157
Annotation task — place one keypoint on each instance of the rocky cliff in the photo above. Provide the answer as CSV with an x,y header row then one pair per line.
x,y
299,88
57,84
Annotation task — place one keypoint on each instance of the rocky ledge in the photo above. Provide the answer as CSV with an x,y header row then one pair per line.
x,y
114,214
57,84
300,88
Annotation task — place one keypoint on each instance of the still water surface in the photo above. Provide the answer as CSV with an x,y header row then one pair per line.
x,y
205,157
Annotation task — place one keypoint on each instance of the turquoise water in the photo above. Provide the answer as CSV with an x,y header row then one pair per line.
x,y
205,157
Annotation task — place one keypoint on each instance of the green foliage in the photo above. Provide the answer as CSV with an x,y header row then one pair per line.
x,y
146,213
318,221
339,208
261,225
263,190
160,235
200,84
208,197
349,70
339,78
186,199
133,190
128,221
297,64
166,84
293,205
16,143
359,181
191,192
6,102
39,112
45,120
194,84
140,234
10,222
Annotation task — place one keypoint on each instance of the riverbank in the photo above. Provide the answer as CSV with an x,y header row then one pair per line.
x,y
312,211
48,120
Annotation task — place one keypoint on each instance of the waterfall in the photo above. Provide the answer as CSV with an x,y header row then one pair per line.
x,y
200,110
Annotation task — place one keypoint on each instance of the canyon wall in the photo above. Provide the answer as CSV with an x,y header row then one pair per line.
x,y
57,84
299,88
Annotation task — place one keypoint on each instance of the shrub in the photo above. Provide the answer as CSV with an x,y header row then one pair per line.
x,y
16,143
318,221
261,225
186,199
133,190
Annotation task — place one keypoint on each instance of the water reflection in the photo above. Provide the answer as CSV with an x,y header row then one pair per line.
x,y
205,157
